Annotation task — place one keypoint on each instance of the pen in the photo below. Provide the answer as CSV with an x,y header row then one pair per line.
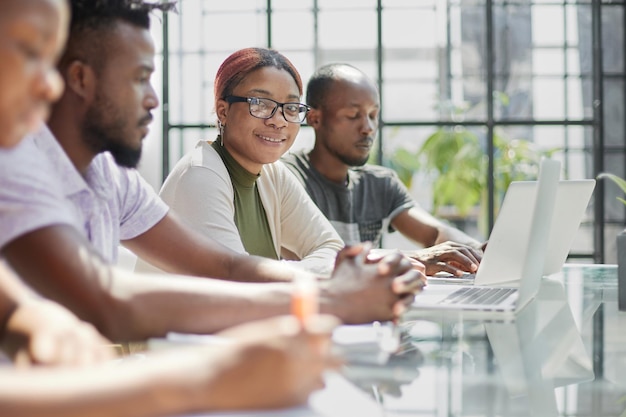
x,y
304,297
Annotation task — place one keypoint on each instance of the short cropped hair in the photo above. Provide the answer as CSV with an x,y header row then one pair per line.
x,y
321,82
244,61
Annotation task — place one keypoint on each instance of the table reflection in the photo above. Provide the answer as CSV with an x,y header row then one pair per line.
x,y
541,350
563,354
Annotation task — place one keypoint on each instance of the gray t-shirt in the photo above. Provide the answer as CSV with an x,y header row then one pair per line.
x,y
361,210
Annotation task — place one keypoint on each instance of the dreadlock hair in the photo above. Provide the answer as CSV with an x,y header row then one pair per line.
x,y
91,19
100,13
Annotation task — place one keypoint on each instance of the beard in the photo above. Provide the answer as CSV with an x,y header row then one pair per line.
x,y
108,135
125,156
331,136
352,161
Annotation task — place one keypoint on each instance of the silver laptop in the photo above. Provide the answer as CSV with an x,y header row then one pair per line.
x,y
503,263
515,259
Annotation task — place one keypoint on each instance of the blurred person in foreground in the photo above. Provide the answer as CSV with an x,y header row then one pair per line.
x,y
34,331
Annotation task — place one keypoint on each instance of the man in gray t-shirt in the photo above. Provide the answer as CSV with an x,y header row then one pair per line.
x,y
363,207
360,200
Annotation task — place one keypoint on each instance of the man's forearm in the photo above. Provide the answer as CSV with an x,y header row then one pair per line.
x,y
158,304
125,306
140,306
147,388
449,233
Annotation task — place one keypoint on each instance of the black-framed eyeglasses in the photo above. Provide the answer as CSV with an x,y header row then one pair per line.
x,y
265,108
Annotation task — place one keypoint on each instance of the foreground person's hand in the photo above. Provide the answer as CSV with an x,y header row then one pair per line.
x,y
41,332
267,364
272,363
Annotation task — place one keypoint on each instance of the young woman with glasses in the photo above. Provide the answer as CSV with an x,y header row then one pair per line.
x,y
233,189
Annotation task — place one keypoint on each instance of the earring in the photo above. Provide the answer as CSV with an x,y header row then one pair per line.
x,y
220,135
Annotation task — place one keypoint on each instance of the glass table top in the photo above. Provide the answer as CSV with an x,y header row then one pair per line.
x,y
563,354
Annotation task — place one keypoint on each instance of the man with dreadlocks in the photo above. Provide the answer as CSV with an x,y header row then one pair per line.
x,y
61,235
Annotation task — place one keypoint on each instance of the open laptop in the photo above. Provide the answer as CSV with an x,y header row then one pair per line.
x,y
528,231
503,261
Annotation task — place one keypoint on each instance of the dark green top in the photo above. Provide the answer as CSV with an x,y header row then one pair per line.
x,y
250,217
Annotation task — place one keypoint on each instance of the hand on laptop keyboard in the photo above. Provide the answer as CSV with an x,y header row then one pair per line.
x,y
451,257
447,278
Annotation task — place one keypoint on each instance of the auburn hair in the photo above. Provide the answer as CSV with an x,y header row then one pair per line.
x,y
244,61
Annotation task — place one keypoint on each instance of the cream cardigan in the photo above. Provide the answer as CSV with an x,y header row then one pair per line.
x,y
199,190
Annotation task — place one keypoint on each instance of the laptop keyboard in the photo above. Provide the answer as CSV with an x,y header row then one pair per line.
x,y
473,295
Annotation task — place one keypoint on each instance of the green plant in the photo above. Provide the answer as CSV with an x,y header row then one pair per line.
x,y
456,158
459,164
617,180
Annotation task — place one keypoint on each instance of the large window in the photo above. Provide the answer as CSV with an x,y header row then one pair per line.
x,y
550,73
